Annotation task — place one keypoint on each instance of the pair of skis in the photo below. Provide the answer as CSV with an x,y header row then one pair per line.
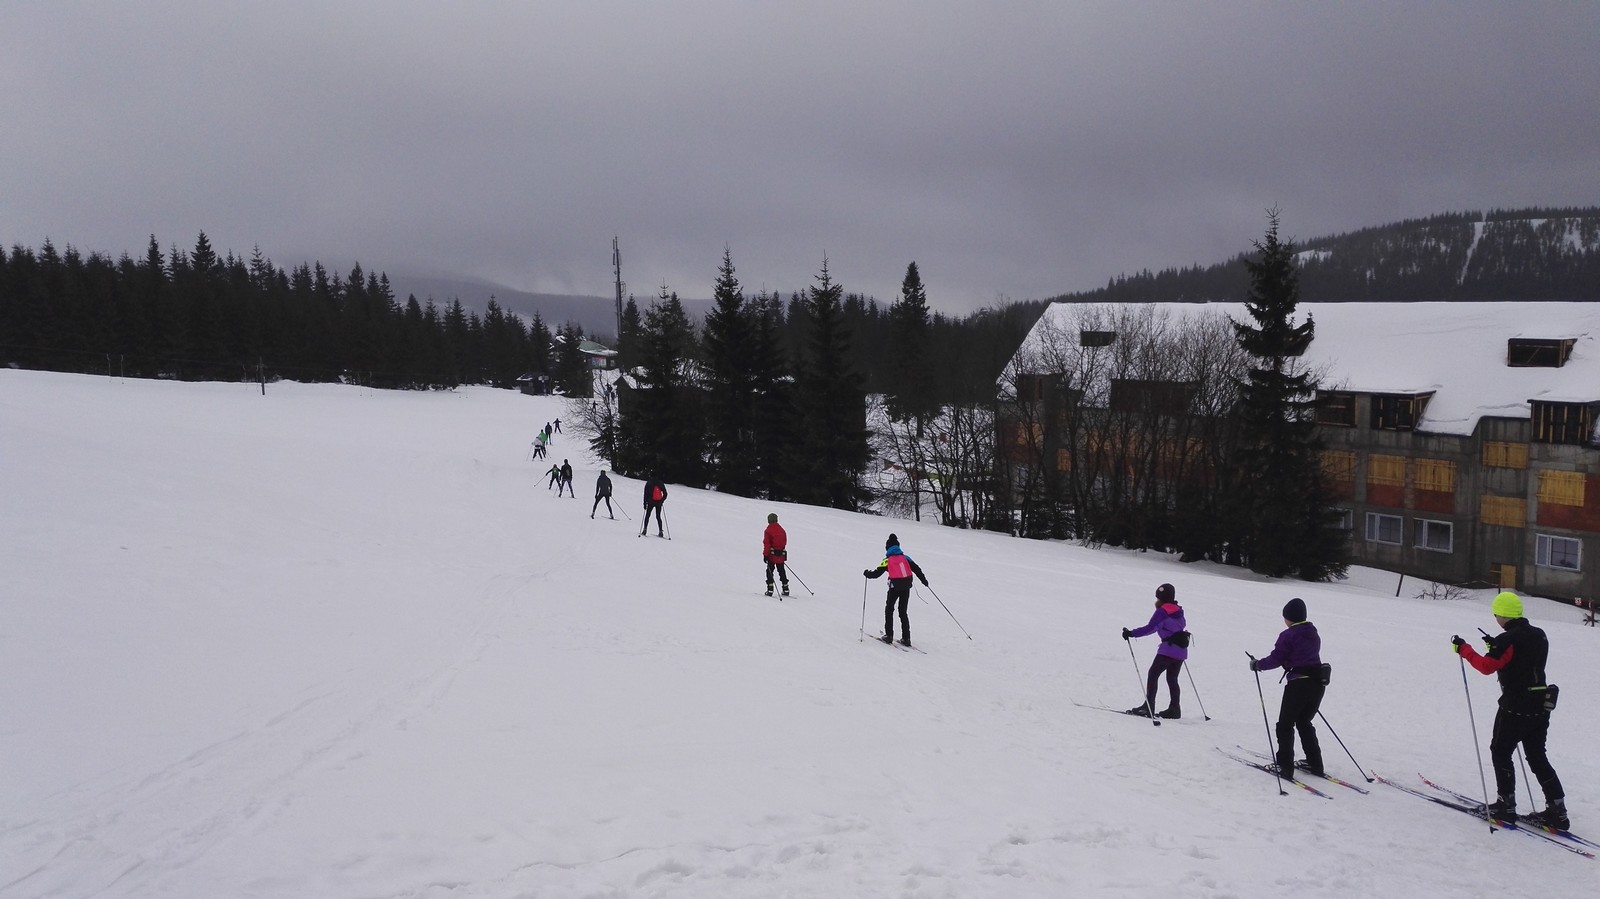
x,y
1469,805
903,647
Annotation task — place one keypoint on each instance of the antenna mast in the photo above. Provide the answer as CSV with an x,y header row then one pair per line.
x,y
616,263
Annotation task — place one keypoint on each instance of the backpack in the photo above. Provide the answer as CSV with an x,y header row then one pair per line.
x,y
656,495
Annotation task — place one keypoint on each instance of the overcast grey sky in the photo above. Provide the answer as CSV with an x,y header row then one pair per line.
x,y
1012,149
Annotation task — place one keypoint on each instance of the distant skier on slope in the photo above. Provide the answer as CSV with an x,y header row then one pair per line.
x,y
1167,622
555,476
775,552
900,569
602,491
1299,653
655,496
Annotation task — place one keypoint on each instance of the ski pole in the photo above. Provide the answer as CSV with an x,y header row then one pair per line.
x,y
948,612
1195,690
1271,748
1526,779
1488,819
665,525
863,610
1342,746
1148,708
624,512
790,568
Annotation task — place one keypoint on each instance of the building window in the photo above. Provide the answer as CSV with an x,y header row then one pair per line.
x,y
1339,465
1503,511
1523,352
1336,409
1031,388
1386,471
1436,474
1558,552
1158,397
1437,536
1384,528
1096,338
1396,412
1568,424
1503,575
1347,520
1499,454
1561,488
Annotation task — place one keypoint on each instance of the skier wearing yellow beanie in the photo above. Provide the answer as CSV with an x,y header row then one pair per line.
x,y
1517,657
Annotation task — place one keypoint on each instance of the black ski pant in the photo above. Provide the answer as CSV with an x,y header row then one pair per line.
x,y
1302,696
1170,667
782,574
899,592
596,505
1511,729
567,483
648,507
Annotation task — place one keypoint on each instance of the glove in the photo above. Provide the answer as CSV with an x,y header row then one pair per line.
x,y
1254,665
1456,643
867,573
1127,634
924,582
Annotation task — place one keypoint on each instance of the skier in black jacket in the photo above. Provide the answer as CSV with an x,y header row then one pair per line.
x,y
655,496
602,491
566,479
1517,657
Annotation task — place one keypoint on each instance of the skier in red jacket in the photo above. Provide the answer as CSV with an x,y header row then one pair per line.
x,y
775,552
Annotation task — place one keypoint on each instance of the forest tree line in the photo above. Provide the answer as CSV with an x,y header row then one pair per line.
x,y
1522,254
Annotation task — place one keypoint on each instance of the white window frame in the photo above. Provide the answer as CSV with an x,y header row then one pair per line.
x,y
1548,542
1374,528
1347,519
1428,527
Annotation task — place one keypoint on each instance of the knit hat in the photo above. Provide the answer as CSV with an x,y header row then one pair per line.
x,y
1164,593
892,541
1507,605
1294,610
772,518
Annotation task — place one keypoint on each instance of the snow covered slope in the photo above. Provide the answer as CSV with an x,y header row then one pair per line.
x,y
333,642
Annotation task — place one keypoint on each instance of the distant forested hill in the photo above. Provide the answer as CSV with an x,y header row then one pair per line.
x,y
1523,254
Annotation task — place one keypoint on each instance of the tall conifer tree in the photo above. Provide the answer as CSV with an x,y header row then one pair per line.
x,y
1283,514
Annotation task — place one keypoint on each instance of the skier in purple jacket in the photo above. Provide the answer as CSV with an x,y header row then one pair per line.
x,y
1299,653
1167,623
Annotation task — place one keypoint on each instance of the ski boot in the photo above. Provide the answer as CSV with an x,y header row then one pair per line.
x,y
1170,712
769,589
1554,815
1504,809
1305,765
886,638
785,589
1142,710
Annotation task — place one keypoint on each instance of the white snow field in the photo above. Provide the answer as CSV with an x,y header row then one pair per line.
x,y
336,642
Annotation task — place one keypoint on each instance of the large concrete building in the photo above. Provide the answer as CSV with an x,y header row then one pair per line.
x,y
1463,438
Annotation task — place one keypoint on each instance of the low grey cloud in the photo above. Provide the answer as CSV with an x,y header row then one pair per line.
x,y
1012,149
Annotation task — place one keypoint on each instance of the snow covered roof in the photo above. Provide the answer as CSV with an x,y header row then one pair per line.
x,y
1456,351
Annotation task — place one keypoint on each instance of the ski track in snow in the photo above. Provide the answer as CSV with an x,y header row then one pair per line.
x,y
335,642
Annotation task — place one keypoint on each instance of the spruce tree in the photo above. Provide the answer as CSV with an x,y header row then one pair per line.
x,y
833,450
1283,516
910,384
661,433
572,373
728,347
